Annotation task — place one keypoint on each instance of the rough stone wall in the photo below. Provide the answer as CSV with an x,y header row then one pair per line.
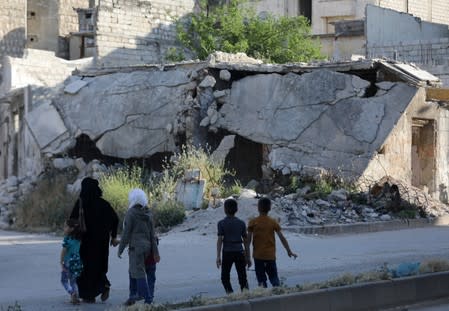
x,y
131,32
68,18
395,159
50,22
68,22
12,28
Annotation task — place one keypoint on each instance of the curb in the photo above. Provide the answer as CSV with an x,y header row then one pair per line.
x,y
361,297
363,227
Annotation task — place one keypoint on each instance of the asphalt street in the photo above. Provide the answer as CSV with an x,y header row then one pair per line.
x,y
29,268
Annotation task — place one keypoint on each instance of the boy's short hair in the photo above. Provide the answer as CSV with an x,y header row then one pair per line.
x,y
230,206
264,205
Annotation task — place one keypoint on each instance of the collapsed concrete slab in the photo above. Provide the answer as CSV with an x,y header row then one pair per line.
x,y
360,120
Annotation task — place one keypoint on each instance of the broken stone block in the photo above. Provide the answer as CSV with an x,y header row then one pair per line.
x,y
208,81
205,122
338,195
226,144
385,85
80,164
12,181
45,123
63,163
225,75
359,83
75,87
218,94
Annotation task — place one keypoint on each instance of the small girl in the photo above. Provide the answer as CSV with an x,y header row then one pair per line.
x,y
70,258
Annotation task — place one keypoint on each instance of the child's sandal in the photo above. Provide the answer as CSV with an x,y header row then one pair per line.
x,y
74,299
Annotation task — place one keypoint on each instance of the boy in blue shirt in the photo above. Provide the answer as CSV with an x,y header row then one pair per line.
x,y
232,247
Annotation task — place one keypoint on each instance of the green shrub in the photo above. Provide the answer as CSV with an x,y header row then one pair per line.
x,y
294,184
162,187
48,205
117,183
175,55
236,27
234,189
323,187
407,214
168,214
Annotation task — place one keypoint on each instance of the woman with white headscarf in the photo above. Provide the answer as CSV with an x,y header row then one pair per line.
x,y
138,235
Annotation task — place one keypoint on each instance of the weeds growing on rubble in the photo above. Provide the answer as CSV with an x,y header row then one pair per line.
x,y
47,206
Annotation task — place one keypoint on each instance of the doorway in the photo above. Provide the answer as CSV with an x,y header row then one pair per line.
x,y
423,154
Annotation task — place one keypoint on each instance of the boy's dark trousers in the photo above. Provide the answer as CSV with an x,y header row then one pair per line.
x,y
237,258
264,268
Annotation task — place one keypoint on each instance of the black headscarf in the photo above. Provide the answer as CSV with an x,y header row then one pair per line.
x,y
90,190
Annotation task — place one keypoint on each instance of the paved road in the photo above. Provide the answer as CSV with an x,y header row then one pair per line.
x,y
29,270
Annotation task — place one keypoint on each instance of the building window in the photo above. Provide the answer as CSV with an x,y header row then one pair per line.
x,y
305,9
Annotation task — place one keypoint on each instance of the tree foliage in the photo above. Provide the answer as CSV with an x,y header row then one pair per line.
x,y
236,28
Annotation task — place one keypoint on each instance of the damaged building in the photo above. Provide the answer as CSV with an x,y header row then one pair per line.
x,y
362,120
87,89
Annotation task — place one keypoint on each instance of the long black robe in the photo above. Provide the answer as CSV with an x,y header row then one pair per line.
x,y
101,225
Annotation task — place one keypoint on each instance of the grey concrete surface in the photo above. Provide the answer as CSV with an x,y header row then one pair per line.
x,y
29,269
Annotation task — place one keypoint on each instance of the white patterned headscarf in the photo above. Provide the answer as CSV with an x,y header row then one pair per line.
x,y
137,196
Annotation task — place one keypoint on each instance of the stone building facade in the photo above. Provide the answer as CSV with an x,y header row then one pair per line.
x,y
38,24
12,28
131,32
323,13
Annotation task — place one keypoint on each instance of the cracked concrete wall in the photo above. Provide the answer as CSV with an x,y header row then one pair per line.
x,y
318,119
136,114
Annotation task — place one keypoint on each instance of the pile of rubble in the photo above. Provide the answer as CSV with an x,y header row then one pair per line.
x,y
387,199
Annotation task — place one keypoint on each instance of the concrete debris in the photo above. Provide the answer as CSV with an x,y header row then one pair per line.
x,y
75,87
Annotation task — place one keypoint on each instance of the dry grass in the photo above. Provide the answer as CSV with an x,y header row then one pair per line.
x,y
346,279
434,265
47,206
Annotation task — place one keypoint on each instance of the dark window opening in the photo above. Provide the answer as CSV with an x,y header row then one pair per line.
x,y
305,9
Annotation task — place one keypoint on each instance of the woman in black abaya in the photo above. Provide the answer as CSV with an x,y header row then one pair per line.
x,y
101,222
